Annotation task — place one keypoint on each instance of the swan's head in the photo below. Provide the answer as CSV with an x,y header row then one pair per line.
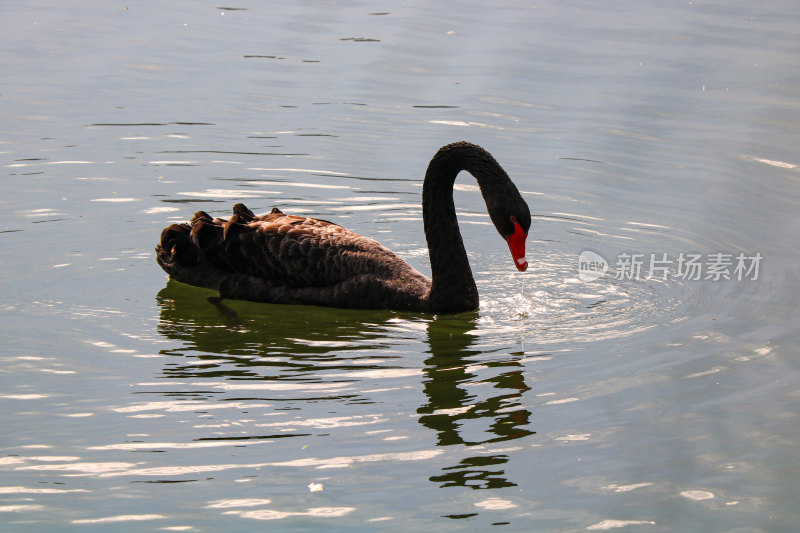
x,y
516,243
512,218
507,209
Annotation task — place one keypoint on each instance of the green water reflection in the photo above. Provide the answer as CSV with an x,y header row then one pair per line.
x,y
452,403
472,394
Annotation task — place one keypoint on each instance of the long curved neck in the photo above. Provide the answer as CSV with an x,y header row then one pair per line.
x,y
453,287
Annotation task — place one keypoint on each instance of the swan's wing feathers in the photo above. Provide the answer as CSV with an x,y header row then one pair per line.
x,y
244,214
270,251
302,251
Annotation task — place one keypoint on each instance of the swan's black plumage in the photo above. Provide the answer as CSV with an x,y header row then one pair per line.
x,y
288,259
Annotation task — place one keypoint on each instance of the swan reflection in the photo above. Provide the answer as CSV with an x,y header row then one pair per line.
x,y
460,411
290,357
271,343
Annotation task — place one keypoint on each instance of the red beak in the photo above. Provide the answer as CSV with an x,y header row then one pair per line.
x,y
516,243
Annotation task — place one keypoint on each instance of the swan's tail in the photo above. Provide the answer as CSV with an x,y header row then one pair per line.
x,y
198,253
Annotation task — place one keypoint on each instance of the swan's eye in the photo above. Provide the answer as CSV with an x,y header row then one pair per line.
x,y
513,219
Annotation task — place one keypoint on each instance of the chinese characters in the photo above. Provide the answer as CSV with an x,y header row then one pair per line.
x,y
688,266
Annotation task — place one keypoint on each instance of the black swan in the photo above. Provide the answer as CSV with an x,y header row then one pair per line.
x,y
287,259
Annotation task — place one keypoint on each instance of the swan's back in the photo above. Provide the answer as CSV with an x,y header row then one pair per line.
x,y
281,258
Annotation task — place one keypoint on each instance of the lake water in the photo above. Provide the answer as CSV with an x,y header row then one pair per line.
x,y
659,140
